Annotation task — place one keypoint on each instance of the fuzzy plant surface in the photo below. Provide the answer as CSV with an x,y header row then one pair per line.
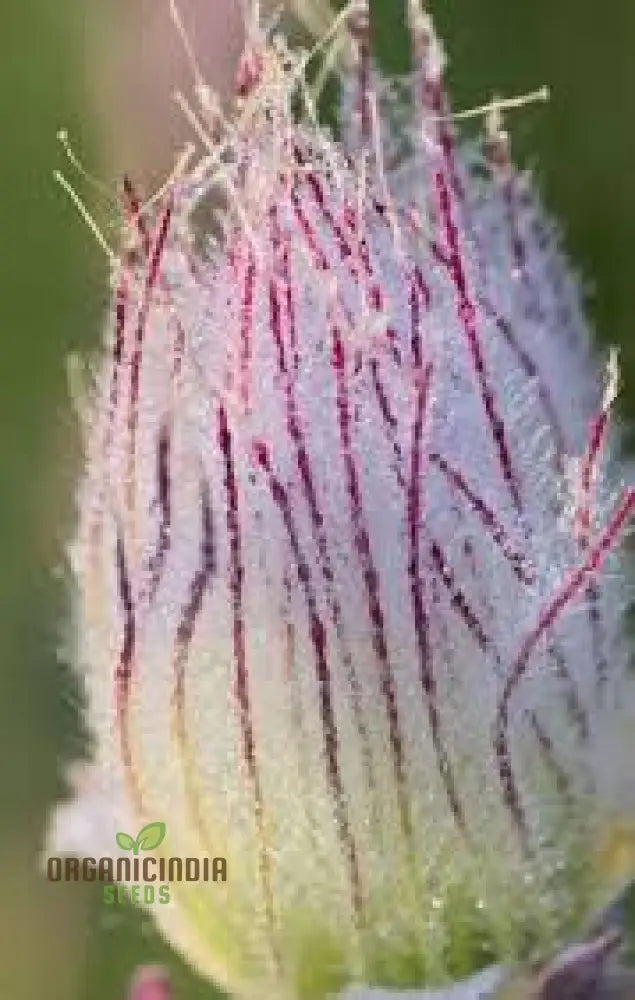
x,y
348,583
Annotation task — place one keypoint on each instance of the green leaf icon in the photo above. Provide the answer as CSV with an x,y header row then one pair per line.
x,y
125,842
150,836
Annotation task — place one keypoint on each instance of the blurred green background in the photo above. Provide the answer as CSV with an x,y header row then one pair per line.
x,y
58,944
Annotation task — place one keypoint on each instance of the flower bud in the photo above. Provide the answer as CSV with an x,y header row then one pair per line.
x,y
348,600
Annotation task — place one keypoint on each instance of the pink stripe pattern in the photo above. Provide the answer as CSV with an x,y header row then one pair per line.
x,y
345,614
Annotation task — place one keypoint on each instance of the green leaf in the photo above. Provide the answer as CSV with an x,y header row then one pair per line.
x,y
150,836
125,841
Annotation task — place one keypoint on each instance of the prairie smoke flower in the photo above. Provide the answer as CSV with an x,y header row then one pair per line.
x,y
339,603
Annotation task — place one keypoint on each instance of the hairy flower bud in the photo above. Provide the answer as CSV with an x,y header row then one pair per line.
x,y
342,605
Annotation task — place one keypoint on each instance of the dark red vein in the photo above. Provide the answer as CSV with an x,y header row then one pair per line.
x,y
123,672
563,597
370,577
458,600
418,299
576,709
420,615
317,632
241,675
467,318
164,497
532,372
389,421
152,276
305,471
192,609
488,518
